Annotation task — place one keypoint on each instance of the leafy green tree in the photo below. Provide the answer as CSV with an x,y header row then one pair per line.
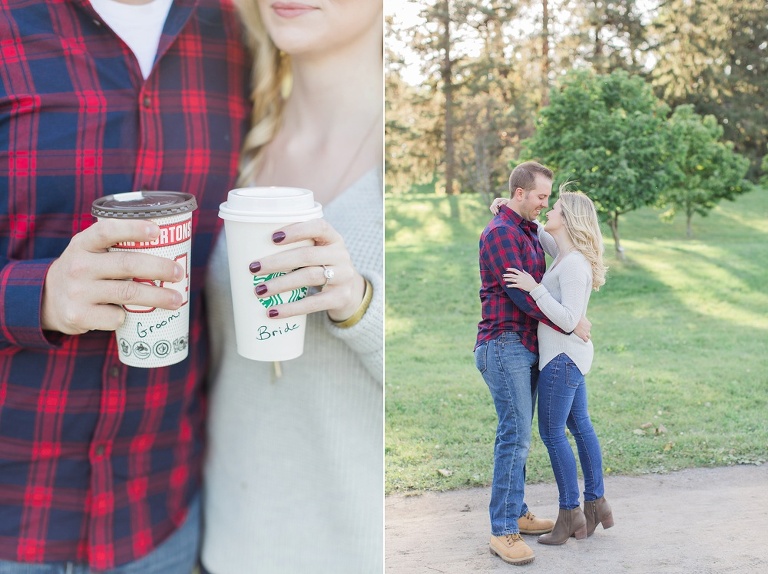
x,y
607,134
705,169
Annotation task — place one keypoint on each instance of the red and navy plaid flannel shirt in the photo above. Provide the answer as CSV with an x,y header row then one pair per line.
x,y
509,241
98,461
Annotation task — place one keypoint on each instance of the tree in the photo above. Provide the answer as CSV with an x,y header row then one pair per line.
x,y
714,55
436,41
446,74
495,105
705,170
414,148
607,34
607,134
764,171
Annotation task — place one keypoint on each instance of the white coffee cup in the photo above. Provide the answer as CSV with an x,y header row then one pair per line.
x,y
153,337
251,215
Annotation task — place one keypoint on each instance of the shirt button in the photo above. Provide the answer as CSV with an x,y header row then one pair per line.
x,y
97,22
99,450
114,372
147,101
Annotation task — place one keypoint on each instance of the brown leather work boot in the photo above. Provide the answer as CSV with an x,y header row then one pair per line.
x,y
529,524
597,512
569,523
512,549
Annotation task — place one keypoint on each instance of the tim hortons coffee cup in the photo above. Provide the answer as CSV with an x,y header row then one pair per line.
x,y
251,215
152,337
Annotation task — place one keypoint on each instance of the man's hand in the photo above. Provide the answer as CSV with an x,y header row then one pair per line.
x,y
583,328
85,287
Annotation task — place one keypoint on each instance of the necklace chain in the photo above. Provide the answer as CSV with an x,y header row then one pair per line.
x,y
348,166
335,188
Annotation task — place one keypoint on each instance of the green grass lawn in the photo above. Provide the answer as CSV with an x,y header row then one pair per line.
x,y
680,377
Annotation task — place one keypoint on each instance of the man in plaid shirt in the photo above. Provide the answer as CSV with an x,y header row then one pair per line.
x,y
99,462
506,352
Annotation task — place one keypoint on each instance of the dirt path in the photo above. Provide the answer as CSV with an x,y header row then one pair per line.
x,y
701,521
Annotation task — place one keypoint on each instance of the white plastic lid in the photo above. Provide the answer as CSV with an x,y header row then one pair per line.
x,y
270,204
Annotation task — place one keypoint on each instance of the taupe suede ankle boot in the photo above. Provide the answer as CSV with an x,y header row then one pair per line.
x,y
569,523
597,512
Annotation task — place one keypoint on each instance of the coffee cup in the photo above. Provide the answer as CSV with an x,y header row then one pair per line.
x,y
152,337
251,215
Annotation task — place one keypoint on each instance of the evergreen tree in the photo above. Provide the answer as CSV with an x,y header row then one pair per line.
x,y
714,55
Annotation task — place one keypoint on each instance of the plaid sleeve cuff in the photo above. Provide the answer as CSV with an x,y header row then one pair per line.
x,y
21,295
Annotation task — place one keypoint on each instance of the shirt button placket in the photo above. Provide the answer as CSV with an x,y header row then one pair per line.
x,y
102,480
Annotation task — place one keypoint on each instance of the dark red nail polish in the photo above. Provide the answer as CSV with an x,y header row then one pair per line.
x,y
278,236
261,289
255,267
272,313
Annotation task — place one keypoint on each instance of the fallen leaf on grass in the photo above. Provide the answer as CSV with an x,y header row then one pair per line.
x,y
661,429
646,425
444,472
639,432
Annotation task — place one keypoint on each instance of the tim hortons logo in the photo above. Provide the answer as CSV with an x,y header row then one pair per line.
x,y
171,234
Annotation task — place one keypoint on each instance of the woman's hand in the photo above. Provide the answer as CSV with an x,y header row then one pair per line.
x,y
340,295
520,279
498,202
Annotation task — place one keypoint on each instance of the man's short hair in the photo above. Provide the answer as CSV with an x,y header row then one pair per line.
x,y
524,176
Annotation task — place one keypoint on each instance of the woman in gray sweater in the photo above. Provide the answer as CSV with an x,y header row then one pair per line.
x,y
294,478
564,360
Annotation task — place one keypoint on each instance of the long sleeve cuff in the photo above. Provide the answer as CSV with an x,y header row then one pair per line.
x,y
538,292
21,295
366,338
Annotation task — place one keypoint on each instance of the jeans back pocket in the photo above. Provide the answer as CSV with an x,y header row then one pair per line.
x,y
481,358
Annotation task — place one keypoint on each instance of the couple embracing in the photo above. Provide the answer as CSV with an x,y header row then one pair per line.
x,y
533,340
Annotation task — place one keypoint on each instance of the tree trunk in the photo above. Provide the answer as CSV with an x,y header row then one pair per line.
x,y
446,73
598,55
614,224
545,53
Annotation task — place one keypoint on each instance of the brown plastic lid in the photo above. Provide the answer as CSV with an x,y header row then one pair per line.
x,y
144,204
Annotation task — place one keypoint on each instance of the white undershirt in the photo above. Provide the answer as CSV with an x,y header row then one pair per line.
x,y
138,25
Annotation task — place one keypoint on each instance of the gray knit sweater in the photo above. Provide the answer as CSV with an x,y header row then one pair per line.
x,y
294,469
563,296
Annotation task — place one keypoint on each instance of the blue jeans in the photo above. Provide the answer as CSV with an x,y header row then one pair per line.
x,y
563,401
509,370
176,555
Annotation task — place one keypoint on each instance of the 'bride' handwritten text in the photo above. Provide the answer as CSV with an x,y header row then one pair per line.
x,y
266,333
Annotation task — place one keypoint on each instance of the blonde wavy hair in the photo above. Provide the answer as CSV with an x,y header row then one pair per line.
x,y
270,78
583,227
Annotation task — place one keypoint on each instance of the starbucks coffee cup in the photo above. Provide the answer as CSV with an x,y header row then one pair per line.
x,y
251,215
152,337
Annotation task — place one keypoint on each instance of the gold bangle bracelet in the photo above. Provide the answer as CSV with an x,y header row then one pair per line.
x,y
357,315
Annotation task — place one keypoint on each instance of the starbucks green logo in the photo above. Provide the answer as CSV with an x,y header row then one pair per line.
x,y
279,298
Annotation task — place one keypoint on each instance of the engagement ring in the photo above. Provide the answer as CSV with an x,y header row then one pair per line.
x,y
328,274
